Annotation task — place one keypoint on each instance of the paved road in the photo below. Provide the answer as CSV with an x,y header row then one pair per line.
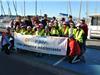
x,y
93,43
16,64
50,64
10,66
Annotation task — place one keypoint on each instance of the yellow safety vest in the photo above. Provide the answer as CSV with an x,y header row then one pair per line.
x,y
41,32
54,31
79,35
73,32
64,32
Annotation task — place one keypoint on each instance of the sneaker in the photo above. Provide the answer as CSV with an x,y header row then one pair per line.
x,y
75,59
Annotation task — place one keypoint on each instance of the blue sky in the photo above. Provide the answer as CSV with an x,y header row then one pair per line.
x,y
52,8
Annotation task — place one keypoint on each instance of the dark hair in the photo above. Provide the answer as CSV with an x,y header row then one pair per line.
x,y
63,19
83,20
45,15
54,17
70,16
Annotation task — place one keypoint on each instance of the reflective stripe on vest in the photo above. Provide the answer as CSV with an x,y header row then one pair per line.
x,y
79,35
65,31
54,31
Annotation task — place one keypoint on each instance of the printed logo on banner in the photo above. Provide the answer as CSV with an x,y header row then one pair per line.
x,y
26,40
42,44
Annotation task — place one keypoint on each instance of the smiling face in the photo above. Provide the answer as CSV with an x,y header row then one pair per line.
x,y
71,25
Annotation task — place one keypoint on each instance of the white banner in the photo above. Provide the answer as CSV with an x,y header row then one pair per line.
x,y
45,44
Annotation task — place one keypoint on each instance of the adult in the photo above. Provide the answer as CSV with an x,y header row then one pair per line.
x,y
44,21
64,30
17,21
84,26
70,20
40,30
5,41
29,31
28,21
79,36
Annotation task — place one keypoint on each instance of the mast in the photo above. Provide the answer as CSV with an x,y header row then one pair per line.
x,y
70,7
15,7
87,9
2,9
24,9
95,7
80,9
9,11
67,9
36,7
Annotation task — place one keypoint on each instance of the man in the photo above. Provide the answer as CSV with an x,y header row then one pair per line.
x,y
5,41
28,21
79,35
84,26
17,21
70,19
18,29
44,21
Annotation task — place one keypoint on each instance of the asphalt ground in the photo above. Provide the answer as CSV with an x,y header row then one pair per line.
x,y
51,64
25,63
10,66
93,43
56,65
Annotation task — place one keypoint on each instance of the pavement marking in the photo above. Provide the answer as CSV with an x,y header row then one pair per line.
x,y
59,61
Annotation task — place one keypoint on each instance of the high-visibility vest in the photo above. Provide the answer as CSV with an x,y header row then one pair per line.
x,y
40,33
79,35
65,30
22,31
72,31
28,32
18,31
54,31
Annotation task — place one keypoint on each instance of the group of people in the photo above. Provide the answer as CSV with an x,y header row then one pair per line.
x,y
77,33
